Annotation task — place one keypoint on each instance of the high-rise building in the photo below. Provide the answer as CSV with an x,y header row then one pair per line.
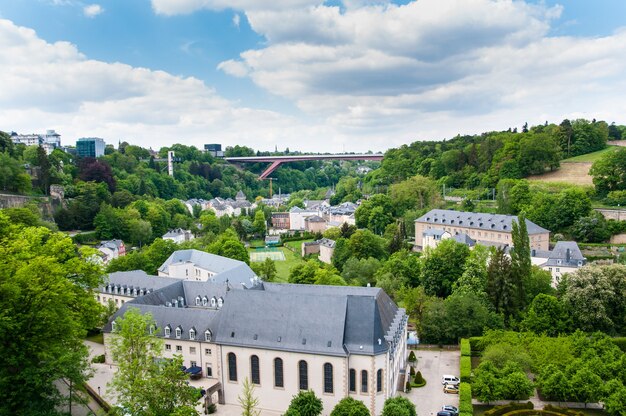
x,y
90,147
214,149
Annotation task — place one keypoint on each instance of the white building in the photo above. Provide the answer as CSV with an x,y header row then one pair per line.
x,y
111,249
327,248
564,258
298,215
202,266
178,235
49,141
284,338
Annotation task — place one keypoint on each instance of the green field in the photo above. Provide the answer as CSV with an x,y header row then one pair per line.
x,y
591,157
283,267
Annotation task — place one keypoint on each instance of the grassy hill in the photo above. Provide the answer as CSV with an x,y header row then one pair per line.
x,y
591,157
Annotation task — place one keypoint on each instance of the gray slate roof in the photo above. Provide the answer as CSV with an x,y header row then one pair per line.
x,y
314,218
138,279
476,220
559,256
434,232
464,239
327,242
208,261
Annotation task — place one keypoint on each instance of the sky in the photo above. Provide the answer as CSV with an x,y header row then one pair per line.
x,y
314,76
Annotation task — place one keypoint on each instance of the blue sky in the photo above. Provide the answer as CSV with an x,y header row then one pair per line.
x,y
304,74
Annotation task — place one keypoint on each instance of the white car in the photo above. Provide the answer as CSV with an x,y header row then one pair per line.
x,y
449,379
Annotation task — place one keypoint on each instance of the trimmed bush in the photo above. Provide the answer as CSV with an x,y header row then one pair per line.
x,y
99,359
620,342
412,372
419,381
465,398
507,408
532,412
563,410
412,357
408,386
466,369
466,350
212,408
476,345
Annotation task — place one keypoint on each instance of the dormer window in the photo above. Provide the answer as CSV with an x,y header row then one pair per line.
x,y
198,301
205,301
179,332
114,326
151,329
207,335
192,333
213,301
167,331
135,292
220,303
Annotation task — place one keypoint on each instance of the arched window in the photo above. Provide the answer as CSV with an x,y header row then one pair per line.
x,y
328,378
232,367
205,301
255,375
207,335
352,380
198,300
220,302
179,332
167,330
213,302
192,334
364,381
303,374
135,292
278,372
379,380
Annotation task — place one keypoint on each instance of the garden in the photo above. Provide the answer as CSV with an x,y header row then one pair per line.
x,y
578,368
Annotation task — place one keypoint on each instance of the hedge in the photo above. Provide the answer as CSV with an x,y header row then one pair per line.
x,y
532,412
465,398
563,410
84,238
620,342
466,369
476,345
466,350
507,408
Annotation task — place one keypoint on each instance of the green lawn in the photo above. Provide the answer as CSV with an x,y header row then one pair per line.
x,y
297,245
591,157
283,267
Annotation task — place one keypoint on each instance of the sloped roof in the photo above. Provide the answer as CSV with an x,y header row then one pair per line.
x,y
464,239
314,218
559,255
476,220
434,232
208,261
138,279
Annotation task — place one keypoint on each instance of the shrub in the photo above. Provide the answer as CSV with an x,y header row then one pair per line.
x,y
408,386
419,381
506,408
412,372
476,345
466,369
620,342
84,238
466,350
211,408
98,359
563,410
412,357
465,398
396,406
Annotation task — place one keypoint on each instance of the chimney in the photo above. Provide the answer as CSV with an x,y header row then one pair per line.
x,y
567,255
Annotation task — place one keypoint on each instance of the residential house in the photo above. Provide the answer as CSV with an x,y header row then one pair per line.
x,y
314,224
111,249
178,235
280,220
565,257
327,248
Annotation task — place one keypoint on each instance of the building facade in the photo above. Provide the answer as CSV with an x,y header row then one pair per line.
x,y
280,220
482,228
90,147
202,266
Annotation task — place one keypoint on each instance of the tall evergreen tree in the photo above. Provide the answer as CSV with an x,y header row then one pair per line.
x,y
501,285
520,257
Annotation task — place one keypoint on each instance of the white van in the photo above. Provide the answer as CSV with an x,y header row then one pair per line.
x,y
448,379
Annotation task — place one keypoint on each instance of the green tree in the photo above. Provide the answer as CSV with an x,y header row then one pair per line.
x,y
348,406
45,284
485,387
266,270
417,192
247,400
515,386
502,287
305,403
556,386
586,386
364,244
304,273
360,271
591,229
520,258
546,315
142,384
474,277
45,170
399,406
259,223
615,401
443,266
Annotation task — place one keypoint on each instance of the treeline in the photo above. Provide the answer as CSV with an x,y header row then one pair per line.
x,y
482,160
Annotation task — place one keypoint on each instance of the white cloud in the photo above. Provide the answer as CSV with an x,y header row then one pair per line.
x,y
175,7
92,10
236,20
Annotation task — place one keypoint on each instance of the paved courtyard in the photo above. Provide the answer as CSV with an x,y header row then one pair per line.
x,y
433,364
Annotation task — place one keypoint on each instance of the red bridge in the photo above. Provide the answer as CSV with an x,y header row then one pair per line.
x,y
278,160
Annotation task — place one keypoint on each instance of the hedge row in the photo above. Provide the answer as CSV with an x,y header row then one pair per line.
x,y
532,412
620,342
84,238
507,408
476,345
563,410
465,398
466,350
466,369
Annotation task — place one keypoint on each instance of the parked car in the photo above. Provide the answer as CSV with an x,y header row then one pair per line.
x,y
452,409
451,388
446,413
449,379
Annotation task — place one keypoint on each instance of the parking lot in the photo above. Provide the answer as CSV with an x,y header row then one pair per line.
x,y
433,364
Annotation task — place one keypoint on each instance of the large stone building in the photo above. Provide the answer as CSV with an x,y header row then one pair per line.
x,y
202,266
482,228
284,338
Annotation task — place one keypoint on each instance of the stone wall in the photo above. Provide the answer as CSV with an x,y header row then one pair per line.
x,y
613,214
45,205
